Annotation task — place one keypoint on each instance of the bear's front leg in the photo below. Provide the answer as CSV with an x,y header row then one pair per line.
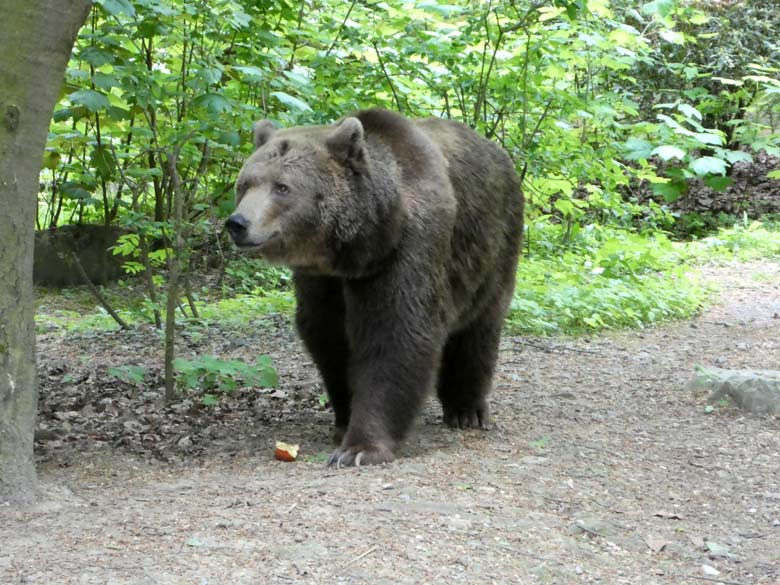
x,y
319,318
395,350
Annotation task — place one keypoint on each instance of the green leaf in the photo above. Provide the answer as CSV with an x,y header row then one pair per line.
x,y
708,165
103,162
659,7
208,400
129,374
228,385
549,13
565,206
737,156
773,174
213,103
211,75
114,7
132,267
667,152
75,190
118,114
689,111
671,36
229,138
92,100
708,138
96,56
443,9
51,159
718,183
638,149
66,114
290,101
727,81
251,74
105,81
670,191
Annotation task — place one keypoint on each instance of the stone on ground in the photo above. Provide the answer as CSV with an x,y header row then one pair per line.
x,y
756,391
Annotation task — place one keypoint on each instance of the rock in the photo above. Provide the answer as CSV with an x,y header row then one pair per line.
x,y
708,570
54,265
599,528
717,551
756,391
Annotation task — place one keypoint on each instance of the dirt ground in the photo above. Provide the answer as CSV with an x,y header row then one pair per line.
x,y
600,468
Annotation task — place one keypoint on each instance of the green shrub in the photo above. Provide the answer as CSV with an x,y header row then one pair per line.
x,y
212,375
607,279
743,241
252,276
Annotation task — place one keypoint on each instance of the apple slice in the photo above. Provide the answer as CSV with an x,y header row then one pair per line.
x,y
285,451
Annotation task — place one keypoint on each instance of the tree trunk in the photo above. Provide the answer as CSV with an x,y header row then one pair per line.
x,y
174,269
36,38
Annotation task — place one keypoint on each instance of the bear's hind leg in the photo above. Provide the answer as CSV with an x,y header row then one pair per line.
x,y
467,368
320,321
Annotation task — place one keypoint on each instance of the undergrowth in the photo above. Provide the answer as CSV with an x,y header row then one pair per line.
x,y
743,241
601,278
607,278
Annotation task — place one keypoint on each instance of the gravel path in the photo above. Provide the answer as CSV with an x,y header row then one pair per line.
x,y
600,468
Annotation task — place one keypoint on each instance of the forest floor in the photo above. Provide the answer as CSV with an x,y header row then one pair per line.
x,y
600,467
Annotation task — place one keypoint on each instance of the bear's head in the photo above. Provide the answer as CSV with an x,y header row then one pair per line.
x,y
295,193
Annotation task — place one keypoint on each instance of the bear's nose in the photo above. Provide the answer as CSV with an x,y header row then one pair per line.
x,y
237,225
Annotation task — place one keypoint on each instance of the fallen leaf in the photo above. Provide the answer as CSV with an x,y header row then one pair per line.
x,y
697,541
285,451
656,544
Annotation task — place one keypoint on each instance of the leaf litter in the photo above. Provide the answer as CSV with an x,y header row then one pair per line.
x,y
637,483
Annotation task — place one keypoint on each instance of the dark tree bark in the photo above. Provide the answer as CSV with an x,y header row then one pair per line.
x,y
36,39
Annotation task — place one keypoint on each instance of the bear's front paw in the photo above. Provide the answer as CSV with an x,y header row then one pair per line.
x,y
357,455
470,417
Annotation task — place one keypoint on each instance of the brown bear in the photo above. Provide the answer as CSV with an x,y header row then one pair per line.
x,y
403,238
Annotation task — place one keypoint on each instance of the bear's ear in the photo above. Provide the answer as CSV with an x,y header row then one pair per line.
x,y
346,142
264,129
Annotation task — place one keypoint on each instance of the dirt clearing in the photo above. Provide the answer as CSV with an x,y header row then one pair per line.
x,y
599,467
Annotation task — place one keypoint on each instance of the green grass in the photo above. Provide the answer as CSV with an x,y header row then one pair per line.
x,y
613,279
565,296
243,311
605,278
743,241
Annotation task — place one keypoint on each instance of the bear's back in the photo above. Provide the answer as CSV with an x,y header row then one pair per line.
x,y
449,170
489,221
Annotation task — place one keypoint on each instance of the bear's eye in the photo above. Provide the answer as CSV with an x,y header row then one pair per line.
x,y
281,189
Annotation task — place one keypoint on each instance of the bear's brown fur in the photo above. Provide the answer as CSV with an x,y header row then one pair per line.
x,y
403,237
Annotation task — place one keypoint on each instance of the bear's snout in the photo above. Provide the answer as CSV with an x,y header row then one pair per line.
x,y
237,225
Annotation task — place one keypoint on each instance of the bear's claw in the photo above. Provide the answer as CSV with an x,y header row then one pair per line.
x,y
360,455
467,418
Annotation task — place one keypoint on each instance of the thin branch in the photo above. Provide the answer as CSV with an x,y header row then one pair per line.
x,y
539,122
549,348
341,28
95,291
357,558
298,28
712,580
387,77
